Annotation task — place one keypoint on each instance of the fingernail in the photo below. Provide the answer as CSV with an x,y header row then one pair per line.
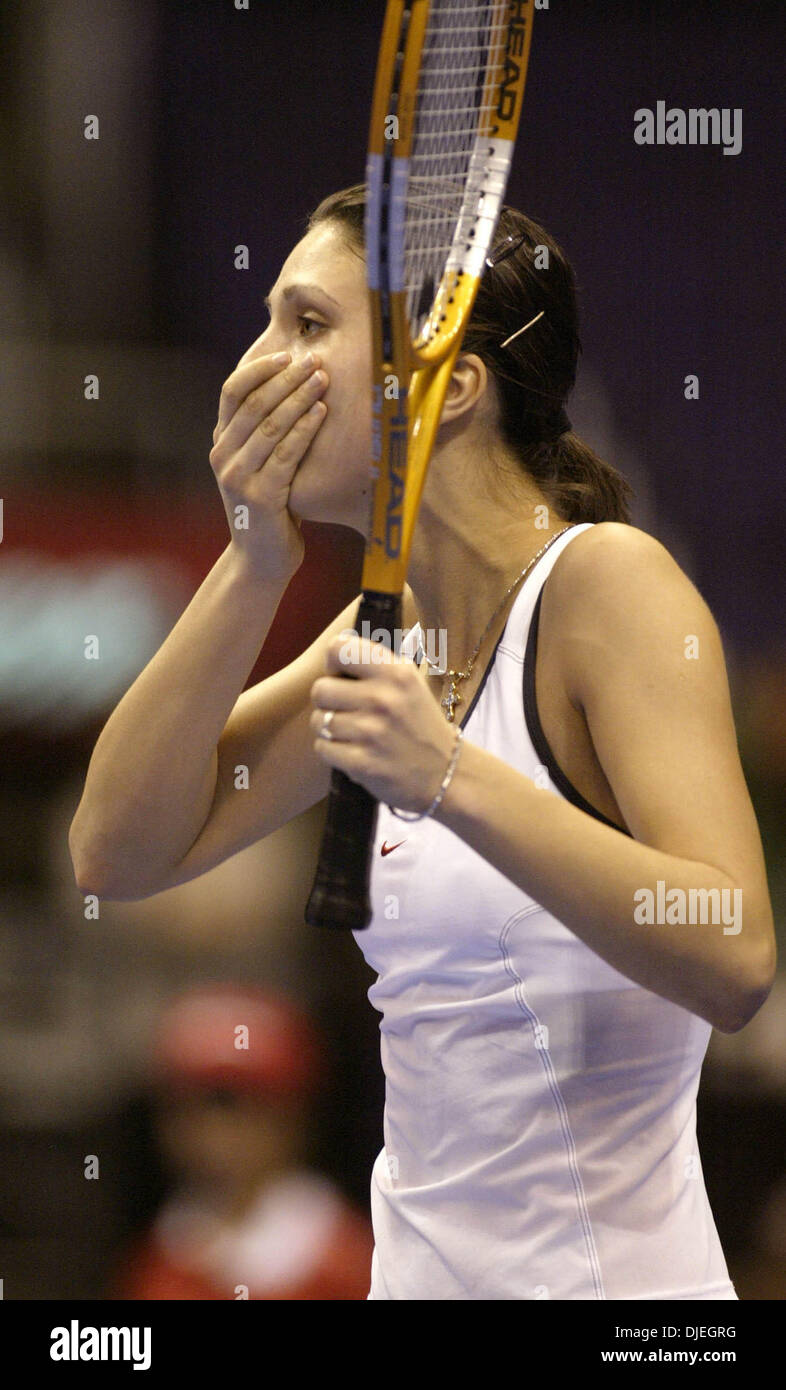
x,y
308,360
280,359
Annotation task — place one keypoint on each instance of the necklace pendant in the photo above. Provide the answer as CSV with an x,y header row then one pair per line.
x,y
449,702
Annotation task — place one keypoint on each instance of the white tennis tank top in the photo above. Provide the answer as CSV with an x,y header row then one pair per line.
x,y
540,1107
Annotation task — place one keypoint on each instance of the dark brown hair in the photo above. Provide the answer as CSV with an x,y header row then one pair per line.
x,y
535,373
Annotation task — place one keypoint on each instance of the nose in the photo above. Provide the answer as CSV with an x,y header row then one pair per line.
x,y
267,342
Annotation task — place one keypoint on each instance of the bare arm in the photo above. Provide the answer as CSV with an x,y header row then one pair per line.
x,y
649,674
163,801
163,768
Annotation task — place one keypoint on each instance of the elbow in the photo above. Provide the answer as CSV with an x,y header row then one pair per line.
x,y
101,881
111,870
95,873
85,874
89,883
749,991
91,878
734,1020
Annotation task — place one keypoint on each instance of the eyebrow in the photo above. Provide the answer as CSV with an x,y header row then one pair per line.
x,y
292,290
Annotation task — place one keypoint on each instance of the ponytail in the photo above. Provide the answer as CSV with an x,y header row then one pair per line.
x,y
579,485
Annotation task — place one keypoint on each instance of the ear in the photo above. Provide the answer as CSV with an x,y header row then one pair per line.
x,y
468,385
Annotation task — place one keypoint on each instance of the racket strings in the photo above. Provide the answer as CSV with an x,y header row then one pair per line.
x,y
444,194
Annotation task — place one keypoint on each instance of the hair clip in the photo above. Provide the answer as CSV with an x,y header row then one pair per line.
x,y
503,250
519,331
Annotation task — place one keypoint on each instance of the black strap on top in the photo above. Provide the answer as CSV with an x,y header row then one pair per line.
x,y
539,741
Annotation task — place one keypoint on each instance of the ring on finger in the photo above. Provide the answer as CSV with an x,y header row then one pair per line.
x,y
327,719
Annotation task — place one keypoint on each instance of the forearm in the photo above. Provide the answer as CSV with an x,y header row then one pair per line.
x,y
152,776
586,874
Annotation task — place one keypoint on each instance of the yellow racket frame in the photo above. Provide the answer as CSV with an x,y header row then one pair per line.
x,y
411,382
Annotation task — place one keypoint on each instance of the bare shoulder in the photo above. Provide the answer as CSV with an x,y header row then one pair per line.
x,y
615,568
617,600
608,550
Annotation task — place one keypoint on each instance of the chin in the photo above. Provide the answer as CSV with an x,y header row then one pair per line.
x,y
311,500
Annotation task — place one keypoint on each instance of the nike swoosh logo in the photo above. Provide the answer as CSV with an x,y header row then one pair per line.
x,y
388,849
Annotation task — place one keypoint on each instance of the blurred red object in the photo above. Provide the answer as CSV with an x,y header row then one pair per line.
x,y
235,1068
303,1245
240,1039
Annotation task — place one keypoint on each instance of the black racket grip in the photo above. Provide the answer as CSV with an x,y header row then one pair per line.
x,y
340,895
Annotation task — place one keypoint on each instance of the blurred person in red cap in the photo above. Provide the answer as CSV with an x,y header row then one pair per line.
x,y
235,1070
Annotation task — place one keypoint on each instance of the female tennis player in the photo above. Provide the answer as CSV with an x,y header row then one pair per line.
x,y
568,884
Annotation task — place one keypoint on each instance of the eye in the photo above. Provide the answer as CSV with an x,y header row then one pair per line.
x,y
305,324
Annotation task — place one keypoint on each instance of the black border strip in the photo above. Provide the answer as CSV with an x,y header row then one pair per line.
x,y
535,728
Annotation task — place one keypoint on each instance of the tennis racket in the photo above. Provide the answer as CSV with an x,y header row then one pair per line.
x,y
446,107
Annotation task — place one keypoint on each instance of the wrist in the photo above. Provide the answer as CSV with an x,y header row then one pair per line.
x,y
243,570
463,797
436,802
